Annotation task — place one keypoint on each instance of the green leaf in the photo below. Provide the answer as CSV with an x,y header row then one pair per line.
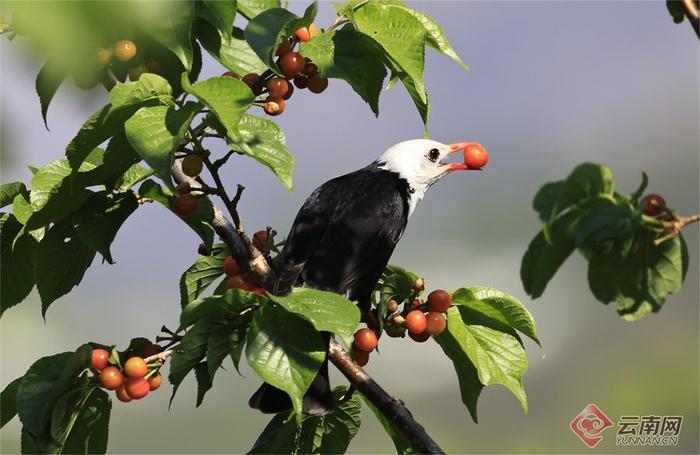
x,y
607,228
285,351
264,141
499,306
400,34
218,13
315,435
231,50
326,311
675,9
349,55
109,165
204,381
225,97
8,192
48,81
545,201
219,307
155,133
201,274
420,99
35,391
150,88
436,38
251,8
135,174
89,433
226,341
190,352
170,26
542,259
266,31
498,357
8,401
53,194
101,217
469,384
199,221
61,260
22,208
401,443
16,262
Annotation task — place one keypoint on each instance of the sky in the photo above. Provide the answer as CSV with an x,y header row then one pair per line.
x,y
553,84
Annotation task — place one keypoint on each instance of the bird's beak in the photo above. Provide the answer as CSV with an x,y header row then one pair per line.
x,y
458,147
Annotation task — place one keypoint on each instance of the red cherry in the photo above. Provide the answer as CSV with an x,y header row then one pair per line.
x,y
155,381
290,92
475,156
291,64
284,48
653,204
415,321
317,84
184,205
183,188
360,357
111,378
260,240
301,81
137,388
253,81
277,87
435,323
273,106
231,74
135,367
415,303
365,340
124,50
258,291
304,34
122,395
238,282
192,165
439,300
100,359
231,267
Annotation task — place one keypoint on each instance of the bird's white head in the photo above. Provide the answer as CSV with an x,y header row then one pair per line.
x,y
421,162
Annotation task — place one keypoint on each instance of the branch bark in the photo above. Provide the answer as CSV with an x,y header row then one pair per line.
x,y
691,12
391,407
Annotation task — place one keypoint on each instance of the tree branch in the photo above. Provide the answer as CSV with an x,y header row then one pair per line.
x,y
393,409
390,407
676,225
691,12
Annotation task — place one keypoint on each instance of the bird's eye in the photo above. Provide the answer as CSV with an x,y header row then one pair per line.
x,y
433,155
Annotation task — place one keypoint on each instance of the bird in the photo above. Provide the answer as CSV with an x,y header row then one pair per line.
x,y
344,235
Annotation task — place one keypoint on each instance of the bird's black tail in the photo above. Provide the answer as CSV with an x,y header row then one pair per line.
x,y
318,401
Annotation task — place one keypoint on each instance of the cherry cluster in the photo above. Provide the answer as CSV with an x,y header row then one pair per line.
x,y
301,71
236,278
420,319
135,380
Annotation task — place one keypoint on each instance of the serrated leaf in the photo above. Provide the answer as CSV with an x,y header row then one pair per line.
x,y
48,81
285,351
190,352
226,341
436,37
219,307
200,275
101,217
225,97
264,141
109,164
53,194
326,311
498,357
89,433
218,13
16,262
60,262
35,391
315,435
8,401
251,8
266,31
135,174
169,24
150,88
8,192
156,132
349,55
204,382
607,228
499,306
400,35
199,221
231,50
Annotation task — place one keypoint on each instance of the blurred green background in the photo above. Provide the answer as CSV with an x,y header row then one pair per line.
x,y
553,84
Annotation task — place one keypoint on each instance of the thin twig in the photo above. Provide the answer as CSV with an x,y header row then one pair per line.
x,y
338,22
691,12
161,357
221,161
393,409
675,226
